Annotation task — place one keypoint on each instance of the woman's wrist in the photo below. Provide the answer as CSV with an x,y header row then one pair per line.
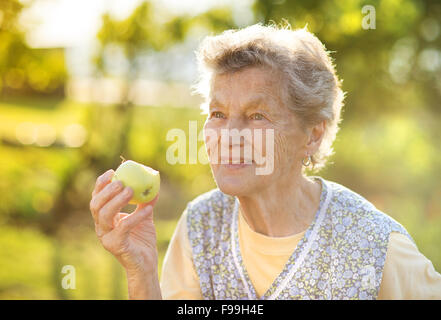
x,y
143,285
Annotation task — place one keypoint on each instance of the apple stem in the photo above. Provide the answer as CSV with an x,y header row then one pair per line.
x,y
122,158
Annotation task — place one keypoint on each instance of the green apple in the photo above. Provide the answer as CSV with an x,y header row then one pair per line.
x,y
143,180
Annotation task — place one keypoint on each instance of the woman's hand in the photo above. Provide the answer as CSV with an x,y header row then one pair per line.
x,y
131,238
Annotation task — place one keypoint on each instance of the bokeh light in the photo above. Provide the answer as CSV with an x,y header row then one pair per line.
x,y
46,135
42,201
74,135
26,133
430,29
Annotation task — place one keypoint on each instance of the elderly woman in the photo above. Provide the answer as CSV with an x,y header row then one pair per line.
x,y
277,235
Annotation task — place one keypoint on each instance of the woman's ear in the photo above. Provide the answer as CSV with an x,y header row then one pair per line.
x,y
315,136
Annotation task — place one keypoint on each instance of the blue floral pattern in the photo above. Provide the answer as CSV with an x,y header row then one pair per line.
x,y
341,255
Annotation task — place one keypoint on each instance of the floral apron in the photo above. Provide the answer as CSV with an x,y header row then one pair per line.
x,y
341,255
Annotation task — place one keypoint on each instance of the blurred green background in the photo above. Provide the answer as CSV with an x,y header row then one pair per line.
x,y
82,83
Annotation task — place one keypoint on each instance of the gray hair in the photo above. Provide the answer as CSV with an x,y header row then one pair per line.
x,y
312,88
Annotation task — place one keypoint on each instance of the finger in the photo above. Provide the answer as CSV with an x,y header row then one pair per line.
x,y
126,224
100,233
102,181
104,196
113,207
118,217
151,202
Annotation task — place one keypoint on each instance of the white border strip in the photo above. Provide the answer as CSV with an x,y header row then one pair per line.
x,y
305,251
233,247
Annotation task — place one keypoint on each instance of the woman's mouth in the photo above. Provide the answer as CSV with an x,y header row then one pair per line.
x,y
236,163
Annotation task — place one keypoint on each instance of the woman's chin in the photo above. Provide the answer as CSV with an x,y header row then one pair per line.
x,y
235,181
232,189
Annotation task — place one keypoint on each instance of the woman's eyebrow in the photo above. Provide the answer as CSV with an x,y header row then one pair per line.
x,y
214,104
259,102
253,103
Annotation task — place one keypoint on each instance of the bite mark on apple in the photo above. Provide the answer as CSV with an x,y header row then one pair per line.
x,y
146,191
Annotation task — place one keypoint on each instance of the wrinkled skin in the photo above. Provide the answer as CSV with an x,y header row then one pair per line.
x,y
253,98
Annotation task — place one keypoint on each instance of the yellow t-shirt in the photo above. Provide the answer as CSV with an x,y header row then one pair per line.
x,y
407,273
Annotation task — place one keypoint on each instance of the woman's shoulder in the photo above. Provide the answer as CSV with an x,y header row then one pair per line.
x,y
346,200
348,203
343,193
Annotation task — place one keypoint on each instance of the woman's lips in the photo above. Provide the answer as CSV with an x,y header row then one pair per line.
x,y
237,164
235,161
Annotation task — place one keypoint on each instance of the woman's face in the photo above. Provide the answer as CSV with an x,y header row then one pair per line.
x,y
268,144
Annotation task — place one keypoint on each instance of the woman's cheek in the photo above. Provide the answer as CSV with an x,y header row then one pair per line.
x,y
211,138
259,144
282,149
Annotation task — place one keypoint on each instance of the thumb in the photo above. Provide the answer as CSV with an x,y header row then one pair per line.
x,y
130,221
151,203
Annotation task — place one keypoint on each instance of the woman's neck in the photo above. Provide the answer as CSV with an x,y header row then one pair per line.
x,y
284,209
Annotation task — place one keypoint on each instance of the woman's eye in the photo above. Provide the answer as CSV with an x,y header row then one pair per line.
x,y
257,116
217,114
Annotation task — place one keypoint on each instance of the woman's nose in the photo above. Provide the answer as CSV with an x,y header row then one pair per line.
x,y
235,123
235,133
